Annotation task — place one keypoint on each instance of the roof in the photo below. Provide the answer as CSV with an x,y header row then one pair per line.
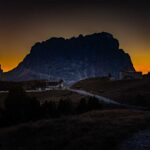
x,y
53,83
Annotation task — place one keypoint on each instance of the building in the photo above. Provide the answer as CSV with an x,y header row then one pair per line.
x,y
130,75
110,77
55,84
147,76
1,73
50,85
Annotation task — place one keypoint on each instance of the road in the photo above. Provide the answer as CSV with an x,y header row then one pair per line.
x,y
105,100
100,98
81,92
139,141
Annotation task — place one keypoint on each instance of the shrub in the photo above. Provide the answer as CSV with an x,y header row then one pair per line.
x,y
142,100
82,106
19,107
65,107
49,109
94,104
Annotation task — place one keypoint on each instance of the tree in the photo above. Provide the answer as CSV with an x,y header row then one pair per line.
x,y
19,107
49,109
94,104
82,106
65,107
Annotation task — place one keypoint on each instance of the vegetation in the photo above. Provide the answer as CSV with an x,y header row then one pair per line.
x,y
27,123
90,131
132,92
57,121
52,95
20,107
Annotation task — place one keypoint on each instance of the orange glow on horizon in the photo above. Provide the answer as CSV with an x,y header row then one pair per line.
x,y
7,66
144,69
19,48
23,24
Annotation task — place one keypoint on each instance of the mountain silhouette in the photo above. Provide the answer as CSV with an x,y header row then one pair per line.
x,y
73,59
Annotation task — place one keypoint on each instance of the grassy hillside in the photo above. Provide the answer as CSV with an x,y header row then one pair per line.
x,y
93,130
90,131
136,92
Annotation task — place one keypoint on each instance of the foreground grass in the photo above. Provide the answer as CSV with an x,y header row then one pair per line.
x,y
90,131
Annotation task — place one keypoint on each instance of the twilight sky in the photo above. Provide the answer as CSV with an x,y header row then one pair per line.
x,y
24,22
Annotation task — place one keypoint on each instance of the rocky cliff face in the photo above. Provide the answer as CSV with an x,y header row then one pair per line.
x,y
73,59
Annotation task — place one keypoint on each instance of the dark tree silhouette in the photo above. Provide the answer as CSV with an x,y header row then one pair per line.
x,y
65,107
94,104
19,107
49,109
82,106
142,100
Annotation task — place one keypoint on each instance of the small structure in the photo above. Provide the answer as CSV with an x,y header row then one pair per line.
x,y
1,73
50,85
147,76
110,77
55,84
130,75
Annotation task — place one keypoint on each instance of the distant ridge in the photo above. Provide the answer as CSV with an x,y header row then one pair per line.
x,y
73,59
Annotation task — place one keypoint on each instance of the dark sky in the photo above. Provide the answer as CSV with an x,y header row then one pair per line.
x,y
22,23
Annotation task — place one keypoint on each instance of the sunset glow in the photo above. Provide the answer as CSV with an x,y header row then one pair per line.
x,y
22,26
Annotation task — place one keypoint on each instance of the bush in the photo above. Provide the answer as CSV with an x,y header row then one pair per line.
x,y
65,107
19,107
94,104
82,106
142,100
88,104
49,109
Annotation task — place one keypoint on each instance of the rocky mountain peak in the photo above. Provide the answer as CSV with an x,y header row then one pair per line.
x,y
73,59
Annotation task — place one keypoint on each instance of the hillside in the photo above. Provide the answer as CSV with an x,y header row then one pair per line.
x,y
73,59
134,92
90,131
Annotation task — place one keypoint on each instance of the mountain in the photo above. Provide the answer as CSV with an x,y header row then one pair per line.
x,y
73,59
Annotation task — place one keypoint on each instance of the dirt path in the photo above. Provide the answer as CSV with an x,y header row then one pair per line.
x,y
105,100
139,141
100,98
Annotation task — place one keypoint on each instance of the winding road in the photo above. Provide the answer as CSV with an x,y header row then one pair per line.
x,y
139,141
100,98
105,100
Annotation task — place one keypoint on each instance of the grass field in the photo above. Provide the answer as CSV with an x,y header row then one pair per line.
x,y
104,129
90,131
135,92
